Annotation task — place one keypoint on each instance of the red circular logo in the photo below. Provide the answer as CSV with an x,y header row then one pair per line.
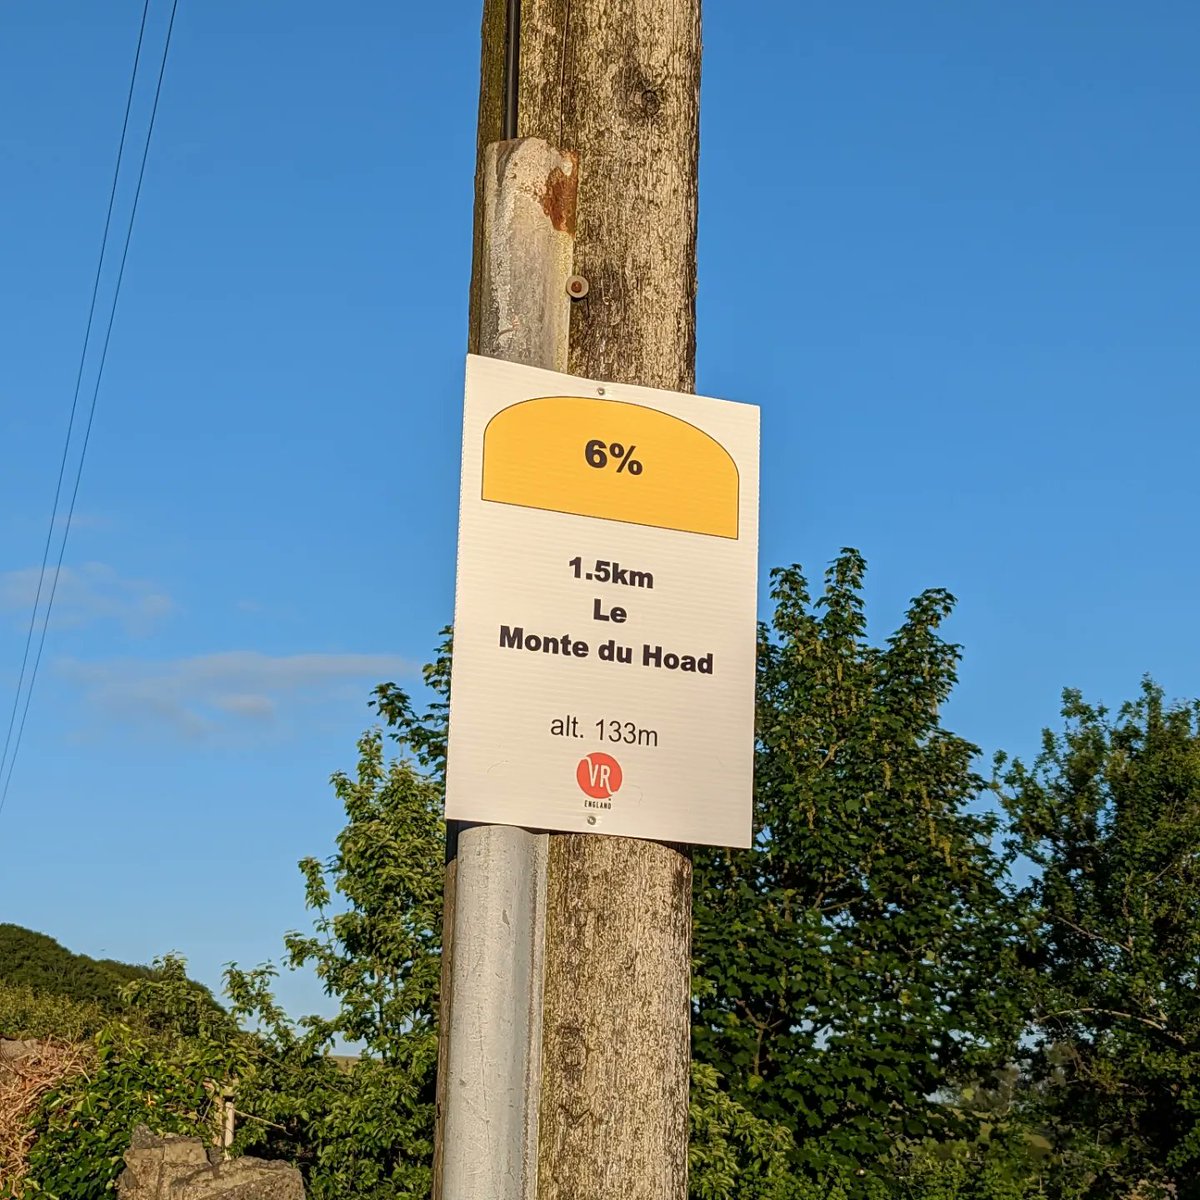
x,y
599,775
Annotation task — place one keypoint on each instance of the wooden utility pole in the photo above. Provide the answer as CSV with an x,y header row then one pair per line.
x,y
618,83
601,1059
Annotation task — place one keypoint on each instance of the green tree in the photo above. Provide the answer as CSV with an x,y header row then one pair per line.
x,y
160,1066
846,967
359,1128
1108,817
735,1155
845,979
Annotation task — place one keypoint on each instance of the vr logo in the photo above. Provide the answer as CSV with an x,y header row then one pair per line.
x,y
599,775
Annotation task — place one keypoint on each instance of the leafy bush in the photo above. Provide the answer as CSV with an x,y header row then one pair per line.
x,y
735,1155
365,1129
25,1081
26,1013
159,1070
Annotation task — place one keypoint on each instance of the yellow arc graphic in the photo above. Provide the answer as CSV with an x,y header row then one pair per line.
x,y
612,460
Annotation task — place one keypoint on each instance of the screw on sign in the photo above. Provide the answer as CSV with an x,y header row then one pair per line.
x,y
599,775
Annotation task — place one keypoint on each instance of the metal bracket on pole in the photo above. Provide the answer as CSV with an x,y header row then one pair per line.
x,y
491,1055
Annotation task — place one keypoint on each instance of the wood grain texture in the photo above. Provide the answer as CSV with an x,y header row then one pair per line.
x,y
616,81
615,1028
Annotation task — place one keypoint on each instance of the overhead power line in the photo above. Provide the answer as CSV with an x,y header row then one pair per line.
x,y
12,744
87,337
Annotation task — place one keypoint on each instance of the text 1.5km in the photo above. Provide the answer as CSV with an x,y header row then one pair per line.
x,y
605,571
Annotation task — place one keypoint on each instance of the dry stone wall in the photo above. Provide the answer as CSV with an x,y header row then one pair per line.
x,y
177,1168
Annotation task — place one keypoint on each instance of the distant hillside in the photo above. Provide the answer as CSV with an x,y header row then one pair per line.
x,y
35,961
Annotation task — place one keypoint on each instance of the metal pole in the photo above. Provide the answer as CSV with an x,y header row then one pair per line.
x,y
490,1056
512,68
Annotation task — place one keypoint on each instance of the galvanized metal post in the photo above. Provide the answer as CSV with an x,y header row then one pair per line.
x,y
489,1077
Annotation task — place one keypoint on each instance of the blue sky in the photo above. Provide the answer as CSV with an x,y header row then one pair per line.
x,y
949,248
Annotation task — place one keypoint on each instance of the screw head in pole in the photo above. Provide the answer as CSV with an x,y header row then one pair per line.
x,y
577,287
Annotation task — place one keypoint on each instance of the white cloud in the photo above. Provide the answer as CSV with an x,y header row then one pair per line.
x,y
246,704
81,520
86,595
228,692
36,525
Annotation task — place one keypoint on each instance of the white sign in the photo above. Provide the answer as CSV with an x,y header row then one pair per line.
x,y
605,620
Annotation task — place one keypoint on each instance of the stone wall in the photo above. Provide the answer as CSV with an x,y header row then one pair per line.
x,y
177,1168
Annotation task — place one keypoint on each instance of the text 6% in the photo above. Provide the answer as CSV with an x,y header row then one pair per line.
x,y
600,454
